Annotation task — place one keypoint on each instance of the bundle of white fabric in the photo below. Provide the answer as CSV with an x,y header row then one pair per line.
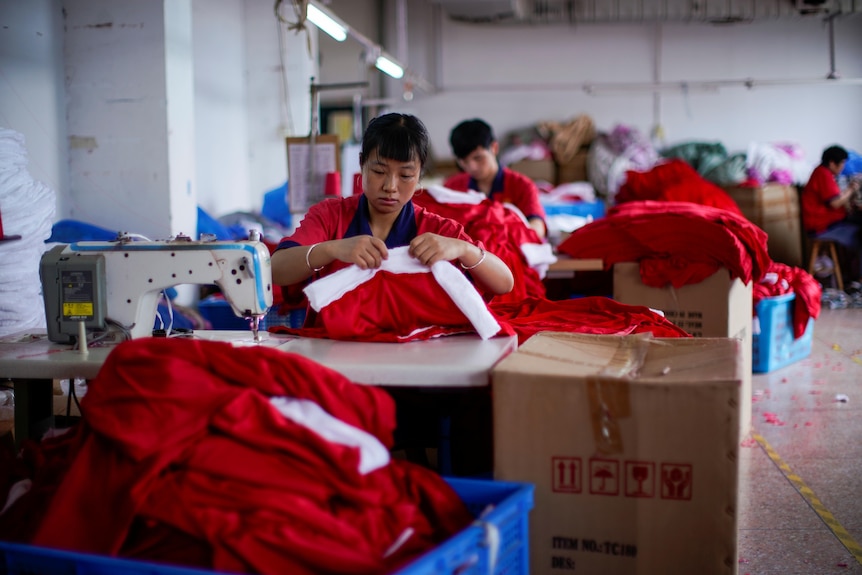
x,y
27,210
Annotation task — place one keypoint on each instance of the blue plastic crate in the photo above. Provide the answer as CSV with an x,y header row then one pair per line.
x,y
500,535
774,346
595,209
218,312
498,542
17,559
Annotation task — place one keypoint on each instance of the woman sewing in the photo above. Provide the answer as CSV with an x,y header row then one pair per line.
x,y
360,230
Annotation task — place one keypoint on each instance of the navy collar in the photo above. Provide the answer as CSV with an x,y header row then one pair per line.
x,y
402,232
496,185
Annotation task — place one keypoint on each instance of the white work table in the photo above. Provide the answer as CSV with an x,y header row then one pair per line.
x,y
459,361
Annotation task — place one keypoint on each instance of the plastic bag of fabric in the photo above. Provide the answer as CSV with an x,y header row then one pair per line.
x,y
702,156
730,172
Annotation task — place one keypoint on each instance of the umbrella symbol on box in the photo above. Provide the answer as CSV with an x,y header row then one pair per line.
x,y
604,477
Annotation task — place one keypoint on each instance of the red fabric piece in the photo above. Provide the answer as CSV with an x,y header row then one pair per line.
x,y
367,313
363,314
518,190
596,315
784,279
674,181
502,232
676,243
179,436
817,214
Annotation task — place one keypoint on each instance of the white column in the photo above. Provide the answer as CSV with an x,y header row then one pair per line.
x,y
131,123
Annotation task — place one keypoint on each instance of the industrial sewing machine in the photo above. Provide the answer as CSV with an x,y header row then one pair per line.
x,y
97,285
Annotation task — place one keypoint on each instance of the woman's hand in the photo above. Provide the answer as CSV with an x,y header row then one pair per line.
x,y
367,252
431,248
487,270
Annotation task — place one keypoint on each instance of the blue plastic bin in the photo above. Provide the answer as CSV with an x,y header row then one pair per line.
x,y
500,535
216,310
17,559
595,209
497,543
774,346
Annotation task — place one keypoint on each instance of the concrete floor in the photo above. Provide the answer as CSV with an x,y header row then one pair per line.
x,y
800,507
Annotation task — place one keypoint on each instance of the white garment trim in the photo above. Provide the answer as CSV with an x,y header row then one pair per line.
x,y
538,254
464,295
332,287
18,489
372,453
539,257
449,196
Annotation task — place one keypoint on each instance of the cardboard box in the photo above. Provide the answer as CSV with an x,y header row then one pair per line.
x,y
537,170
574,170
715,307
774,208
632,444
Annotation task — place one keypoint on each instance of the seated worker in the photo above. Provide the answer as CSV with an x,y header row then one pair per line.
x,y
476,149
361,229
828,212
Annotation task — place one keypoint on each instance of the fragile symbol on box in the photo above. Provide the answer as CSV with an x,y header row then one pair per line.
x,y
566,474
604,477
640,479
676,481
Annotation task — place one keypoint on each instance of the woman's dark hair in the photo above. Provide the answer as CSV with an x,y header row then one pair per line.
x,y
399,137
833,154
469,135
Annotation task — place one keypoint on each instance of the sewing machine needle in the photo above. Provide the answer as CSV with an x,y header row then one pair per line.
x,y
255,328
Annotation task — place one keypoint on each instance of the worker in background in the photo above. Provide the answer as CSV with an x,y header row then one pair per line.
x,y
361,229
829,212
476,148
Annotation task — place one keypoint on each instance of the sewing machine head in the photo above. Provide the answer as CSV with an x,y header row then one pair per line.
x,y
118,283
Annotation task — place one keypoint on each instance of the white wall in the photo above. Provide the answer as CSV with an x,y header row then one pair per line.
x,y
32,94
517,75
221,129
514,76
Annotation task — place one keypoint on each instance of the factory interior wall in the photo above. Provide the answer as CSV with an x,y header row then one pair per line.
x,y
513,76
516,76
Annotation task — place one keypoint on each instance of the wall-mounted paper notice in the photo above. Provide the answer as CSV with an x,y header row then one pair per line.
x,y
306,185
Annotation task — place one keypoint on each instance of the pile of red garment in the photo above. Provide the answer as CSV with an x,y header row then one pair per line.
x,y
676,243
782,279
502,231
594,315
674,181
399,306
247,459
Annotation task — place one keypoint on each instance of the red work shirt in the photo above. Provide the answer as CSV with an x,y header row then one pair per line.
x,y
339,218
817,214
508,187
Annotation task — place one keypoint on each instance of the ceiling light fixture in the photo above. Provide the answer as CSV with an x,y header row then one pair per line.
x,y
388,65
326,22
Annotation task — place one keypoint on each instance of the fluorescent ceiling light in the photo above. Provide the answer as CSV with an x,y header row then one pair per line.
x,y
384,64
326,22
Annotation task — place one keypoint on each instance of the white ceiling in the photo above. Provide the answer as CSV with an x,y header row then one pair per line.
x,y
597,11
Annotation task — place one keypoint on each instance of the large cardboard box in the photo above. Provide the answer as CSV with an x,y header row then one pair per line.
x,y
537,170
774,208
716,307
574,170
632,444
